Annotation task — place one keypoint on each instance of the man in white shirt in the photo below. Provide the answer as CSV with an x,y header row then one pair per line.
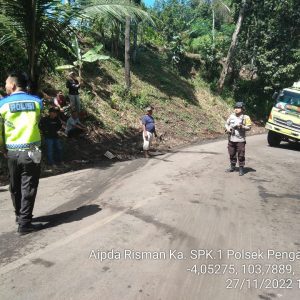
x,y
74,127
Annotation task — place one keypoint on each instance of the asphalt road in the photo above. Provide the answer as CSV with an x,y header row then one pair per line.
x,y
172,227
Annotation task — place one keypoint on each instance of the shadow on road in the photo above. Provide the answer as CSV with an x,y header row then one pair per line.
x,y
290,146
195,152
162,159
68,216
12,246
249,170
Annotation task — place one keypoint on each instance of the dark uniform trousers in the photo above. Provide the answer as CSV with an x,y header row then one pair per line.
x,y
24,177
236,152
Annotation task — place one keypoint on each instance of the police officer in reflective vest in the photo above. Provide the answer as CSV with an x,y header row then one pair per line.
x,y
20,141
236,126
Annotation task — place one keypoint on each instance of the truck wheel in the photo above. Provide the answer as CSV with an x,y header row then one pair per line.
x,y
274,139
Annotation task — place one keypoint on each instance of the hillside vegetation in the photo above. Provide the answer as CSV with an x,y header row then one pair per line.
x,y
185,109
190,59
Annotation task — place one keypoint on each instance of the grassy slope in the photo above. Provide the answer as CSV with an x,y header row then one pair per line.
x,y
185,109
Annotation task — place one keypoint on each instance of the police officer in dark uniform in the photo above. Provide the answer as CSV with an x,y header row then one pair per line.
x,y
20,141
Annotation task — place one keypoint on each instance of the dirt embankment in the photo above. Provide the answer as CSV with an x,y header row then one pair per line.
x,y
186,111
86,153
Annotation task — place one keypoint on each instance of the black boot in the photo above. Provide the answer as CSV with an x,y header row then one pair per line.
x,y
241,171
231,169
29,228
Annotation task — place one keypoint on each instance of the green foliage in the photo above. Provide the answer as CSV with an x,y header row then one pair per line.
x,y
43,28
173,17
94,54
269,48
38,36
188,26
121,96
140,100
4,39
119,90
176,50
39,28
15,58
211,51
258,100
200,27
90,56
117,10
152,36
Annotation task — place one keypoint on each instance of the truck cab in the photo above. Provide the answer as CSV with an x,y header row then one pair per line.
x,y
284,120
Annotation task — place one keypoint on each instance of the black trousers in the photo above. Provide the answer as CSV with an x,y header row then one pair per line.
x,y
74,132
236,152
24,177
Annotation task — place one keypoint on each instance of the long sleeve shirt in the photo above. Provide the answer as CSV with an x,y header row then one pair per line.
x,y
50,127
238,134
73,86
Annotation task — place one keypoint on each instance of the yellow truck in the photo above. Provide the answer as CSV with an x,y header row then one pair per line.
x,y
284,119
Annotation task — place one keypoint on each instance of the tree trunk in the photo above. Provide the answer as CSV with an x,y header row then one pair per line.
x,y
32,47
213,29
112,43
232,47
135,46
117,39
135,35
127,54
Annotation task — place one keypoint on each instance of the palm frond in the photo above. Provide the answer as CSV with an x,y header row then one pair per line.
x,y
116,9
41,26
4,39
